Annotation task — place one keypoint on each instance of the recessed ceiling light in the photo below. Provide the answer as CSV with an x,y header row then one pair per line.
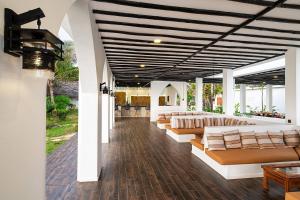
x,y
136,76
142,65
275,76
138,83
157,41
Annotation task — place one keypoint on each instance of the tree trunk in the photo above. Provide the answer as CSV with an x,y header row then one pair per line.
x,y
50,85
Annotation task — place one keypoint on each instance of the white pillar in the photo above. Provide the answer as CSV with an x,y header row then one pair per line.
x,y
91,57
228,92
105,118
269,98
243,98
199,94
105,106
292,86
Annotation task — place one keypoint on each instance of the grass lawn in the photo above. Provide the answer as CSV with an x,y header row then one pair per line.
x,y
57,128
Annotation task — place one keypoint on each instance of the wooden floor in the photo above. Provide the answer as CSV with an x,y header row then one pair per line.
x,y
141,162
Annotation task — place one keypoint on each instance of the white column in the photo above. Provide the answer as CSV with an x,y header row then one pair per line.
x,y
199,94
91,57
292,86
228,92
243,98
269,98
105,118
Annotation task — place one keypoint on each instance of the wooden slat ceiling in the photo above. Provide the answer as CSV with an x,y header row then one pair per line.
x,y
273,77
198,37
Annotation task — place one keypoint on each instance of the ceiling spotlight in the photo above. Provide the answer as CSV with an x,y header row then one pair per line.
x,y
275,76
136,76
142,65
138,83
157,41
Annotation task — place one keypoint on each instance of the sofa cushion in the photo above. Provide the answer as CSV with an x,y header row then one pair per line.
x,y
297,149
197,143
189,123
178,123
168,115
208,121
175,113
182,113
199,123
248,140
291,138
219,121
250,156
163,121
183,131
277,138
232,139
242,123
216,142
264,140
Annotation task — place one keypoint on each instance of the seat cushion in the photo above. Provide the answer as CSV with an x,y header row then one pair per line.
x,y
183,131
197,143
163,121
292,196
249,156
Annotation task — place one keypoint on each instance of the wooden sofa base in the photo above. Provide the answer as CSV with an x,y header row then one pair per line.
x,y
181,138
238,171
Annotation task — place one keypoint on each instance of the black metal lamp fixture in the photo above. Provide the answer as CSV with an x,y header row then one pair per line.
x,y
39,47
103,88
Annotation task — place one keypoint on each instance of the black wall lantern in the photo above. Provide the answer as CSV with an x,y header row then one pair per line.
x,y
103,88
39,47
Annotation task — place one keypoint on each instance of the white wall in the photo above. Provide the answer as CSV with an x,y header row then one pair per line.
x,y
172,93
253,98
22,111
156,90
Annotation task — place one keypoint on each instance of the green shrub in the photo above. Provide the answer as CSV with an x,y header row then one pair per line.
x,y
49,105
62,102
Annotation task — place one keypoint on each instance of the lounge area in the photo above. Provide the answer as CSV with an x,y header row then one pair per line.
x,y
148,99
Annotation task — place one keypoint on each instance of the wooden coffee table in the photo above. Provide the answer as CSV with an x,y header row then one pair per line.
x,y
287,175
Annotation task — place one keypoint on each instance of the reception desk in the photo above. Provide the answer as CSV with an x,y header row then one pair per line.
x,y
132,111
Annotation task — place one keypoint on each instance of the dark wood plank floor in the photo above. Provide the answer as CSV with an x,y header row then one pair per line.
x,y
141,162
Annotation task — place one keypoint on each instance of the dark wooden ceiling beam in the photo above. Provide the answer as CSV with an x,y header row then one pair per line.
x,y
200,22
138,49
148,26
148,45
268,3
203,11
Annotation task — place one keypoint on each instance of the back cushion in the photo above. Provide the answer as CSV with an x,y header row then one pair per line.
x,y
189,123
175,113
232,139
179,123
219,121
208,121
168,115
234,122
242,123
227,121
215,142
182,114
161,117
248,140
291,138
276,138
199,123
264,140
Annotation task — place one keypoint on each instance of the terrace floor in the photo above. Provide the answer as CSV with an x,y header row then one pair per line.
x,y
141,162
